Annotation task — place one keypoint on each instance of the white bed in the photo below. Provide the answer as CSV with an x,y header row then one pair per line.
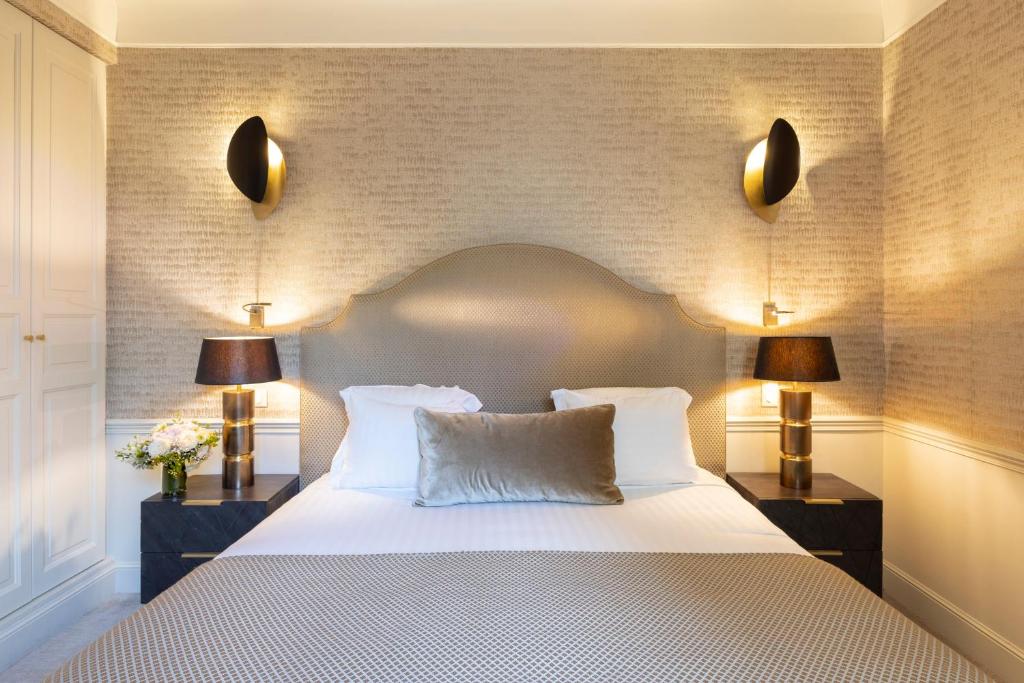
x,y
678,583
705,517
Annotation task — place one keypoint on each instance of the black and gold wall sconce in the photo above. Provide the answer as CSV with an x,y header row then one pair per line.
x,y
256,166
772,170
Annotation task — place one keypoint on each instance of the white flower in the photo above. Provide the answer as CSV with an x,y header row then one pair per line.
x,y
160,445
185,439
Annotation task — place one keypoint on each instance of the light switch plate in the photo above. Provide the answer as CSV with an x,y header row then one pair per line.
x,y
261,397
769,395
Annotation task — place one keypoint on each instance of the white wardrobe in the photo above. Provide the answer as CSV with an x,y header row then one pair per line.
x,y
52,310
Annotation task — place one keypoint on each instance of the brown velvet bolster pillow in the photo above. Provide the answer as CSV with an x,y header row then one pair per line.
x,y
566,456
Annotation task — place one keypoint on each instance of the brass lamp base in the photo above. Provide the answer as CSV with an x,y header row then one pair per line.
x,y
237,471
795,439
237,467
795,472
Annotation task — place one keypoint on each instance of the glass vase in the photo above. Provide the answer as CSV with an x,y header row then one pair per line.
x,y
174,482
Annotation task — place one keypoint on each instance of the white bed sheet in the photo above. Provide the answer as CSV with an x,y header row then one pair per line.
x,y
705,517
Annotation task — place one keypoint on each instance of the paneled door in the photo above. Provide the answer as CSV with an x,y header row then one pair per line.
x,y
15,321
68,309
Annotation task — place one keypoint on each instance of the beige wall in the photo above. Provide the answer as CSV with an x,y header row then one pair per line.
x,y
632,158
954,222
954,327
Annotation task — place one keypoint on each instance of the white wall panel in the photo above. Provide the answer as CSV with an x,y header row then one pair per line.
x,y
954,546
15,351
68,303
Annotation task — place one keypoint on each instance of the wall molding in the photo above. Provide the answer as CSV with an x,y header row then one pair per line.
x,y
60,22
34,622
993,455
952,624
735,424
132,426
836,424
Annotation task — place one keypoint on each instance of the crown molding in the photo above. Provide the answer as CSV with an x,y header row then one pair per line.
x,y
63,24
914,20
501,46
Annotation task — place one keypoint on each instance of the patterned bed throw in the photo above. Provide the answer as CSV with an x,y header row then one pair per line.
x,y
518,616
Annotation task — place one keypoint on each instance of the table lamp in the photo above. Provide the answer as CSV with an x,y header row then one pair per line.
x,y
795,359
238,361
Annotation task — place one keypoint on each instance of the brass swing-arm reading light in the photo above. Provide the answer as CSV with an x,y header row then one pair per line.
x,y
771,173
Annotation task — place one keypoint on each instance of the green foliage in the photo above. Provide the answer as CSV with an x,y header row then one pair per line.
x,y
177,444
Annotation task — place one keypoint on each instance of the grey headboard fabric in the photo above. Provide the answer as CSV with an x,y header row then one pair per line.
x,y
511,322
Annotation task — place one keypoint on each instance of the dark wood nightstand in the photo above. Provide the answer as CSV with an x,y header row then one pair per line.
x,y
179,534
834,520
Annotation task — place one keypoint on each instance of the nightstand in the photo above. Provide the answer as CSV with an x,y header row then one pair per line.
x,y
179,534
834,520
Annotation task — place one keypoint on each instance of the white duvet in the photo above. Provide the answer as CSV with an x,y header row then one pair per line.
x,y
705,517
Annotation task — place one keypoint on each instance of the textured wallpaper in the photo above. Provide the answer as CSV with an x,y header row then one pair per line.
x,y
632,158
954,221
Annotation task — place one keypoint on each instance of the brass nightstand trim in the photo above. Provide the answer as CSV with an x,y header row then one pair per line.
x,y
209,502
823,501
826,553
196,556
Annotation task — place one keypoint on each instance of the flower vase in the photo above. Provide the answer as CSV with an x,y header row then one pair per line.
x,y
174,482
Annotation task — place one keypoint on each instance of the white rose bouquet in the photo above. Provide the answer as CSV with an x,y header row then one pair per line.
x,y
178,445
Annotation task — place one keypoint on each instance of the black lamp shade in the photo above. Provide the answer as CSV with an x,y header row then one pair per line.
x,y
781,162
248,159
796,359
238,360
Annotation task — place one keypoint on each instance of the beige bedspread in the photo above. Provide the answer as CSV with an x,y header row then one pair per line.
x,y
518,616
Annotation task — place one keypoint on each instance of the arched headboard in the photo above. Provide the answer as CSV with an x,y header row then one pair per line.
x,y
511,322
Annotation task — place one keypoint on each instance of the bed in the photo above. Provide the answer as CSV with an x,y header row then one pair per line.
x,y
684,582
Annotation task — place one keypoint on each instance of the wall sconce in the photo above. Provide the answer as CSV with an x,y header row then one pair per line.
x,y
256,166
773,167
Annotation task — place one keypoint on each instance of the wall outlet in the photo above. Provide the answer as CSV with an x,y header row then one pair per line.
x,y
261,397
769,395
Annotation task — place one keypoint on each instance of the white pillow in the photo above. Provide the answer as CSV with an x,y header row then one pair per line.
x,y
652,434
380,448
417,395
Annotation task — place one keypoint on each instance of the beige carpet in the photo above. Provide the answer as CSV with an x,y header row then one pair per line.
x,y
63,645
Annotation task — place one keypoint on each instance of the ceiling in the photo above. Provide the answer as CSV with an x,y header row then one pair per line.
x,y
501,22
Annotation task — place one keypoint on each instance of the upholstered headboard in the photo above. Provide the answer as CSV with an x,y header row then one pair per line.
x,y
511,322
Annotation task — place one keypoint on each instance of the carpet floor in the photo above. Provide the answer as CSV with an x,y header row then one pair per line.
x,y
46,658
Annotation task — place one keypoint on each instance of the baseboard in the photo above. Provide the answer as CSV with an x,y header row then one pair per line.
x,y
128,577
31,624
1002,658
